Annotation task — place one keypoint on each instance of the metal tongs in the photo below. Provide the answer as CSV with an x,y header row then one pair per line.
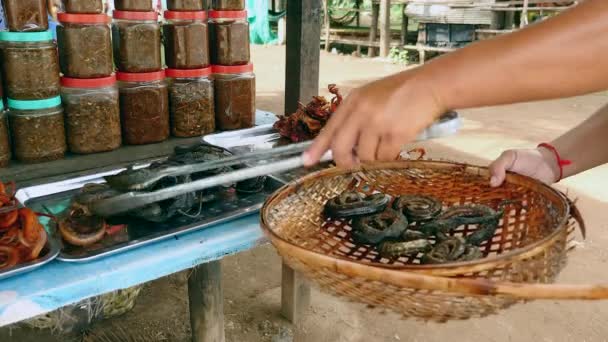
x,y
261,163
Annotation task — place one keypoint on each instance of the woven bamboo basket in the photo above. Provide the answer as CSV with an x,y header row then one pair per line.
x,y
526,254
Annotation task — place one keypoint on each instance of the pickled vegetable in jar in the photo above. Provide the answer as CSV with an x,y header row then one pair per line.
x,y
186,5
83,6
92,114
186,40
137,41
144,107
5,147
26,15
30,65
234,96
85,45
37,129
134,5
191,102
228,5
229,37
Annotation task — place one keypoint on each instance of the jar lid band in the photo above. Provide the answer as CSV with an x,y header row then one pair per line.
x,y
188,73
34,104
186,15
83,18
228,14
26,36
88,82
129,15
140,77
234,69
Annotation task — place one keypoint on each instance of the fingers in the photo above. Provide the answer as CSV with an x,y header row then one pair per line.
x,y
323,141
343,143
367,147
499,168
389,148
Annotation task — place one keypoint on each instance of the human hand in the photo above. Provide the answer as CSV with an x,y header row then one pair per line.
x,y
538,163
375,121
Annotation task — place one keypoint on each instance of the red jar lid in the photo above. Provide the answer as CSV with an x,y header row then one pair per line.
x,y
140,77
89,82
234,69
188,73
83,18
187,15
129,15
228,14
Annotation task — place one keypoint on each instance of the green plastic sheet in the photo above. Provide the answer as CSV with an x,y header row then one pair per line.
x,y
259,24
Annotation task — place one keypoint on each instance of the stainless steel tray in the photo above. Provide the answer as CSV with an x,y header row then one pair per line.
x,y
48,254
266,137
53,198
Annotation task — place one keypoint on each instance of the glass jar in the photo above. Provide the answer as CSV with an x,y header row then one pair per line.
x,y
229,37
186,40
37,129
26,15
137,42
83,6
134,5
85,45
186,5
5,147
234,92
144,107
92,114
228,5
191,102
30,65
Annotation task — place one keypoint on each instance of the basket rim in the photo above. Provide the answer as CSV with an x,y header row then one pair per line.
x,y
473,265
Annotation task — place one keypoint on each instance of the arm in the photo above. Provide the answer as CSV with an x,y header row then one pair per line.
x,y
562,56
584,146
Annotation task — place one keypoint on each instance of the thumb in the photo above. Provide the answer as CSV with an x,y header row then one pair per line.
x,y
499,168
320,145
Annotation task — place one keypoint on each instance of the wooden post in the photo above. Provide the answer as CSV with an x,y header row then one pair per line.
x,y
358,7
385,27
303,52
404,23
206,303
295,295
523,21
373,31
327,23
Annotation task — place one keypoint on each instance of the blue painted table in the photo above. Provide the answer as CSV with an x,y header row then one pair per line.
x,y
59,284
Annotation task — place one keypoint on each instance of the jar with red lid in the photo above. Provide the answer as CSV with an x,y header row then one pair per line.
x,y
92,114
191,102
83,6
137,41
234,96
144,107
186,40
26,15
134,5
228,5
85,45
186,5
229,37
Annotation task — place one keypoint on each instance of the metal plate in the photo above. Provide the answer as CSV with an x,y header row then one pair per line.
x,y
48,254
54,198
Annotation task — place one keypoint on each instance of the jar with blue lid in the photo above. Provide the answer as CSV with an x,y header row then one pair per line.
x,y
5,147
37,129
30,65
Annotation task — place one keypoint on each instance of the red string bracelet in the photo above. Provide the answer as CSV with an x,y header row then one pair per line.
x,y
561,162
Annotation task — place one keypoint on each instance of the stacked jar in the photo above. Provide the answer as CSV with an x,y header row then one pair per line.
x,y
31,78
136,37
187,57
89,90
233,74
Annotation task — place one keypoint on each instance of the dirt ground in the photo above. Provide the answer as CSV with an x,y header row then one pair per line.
x,y
252,279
